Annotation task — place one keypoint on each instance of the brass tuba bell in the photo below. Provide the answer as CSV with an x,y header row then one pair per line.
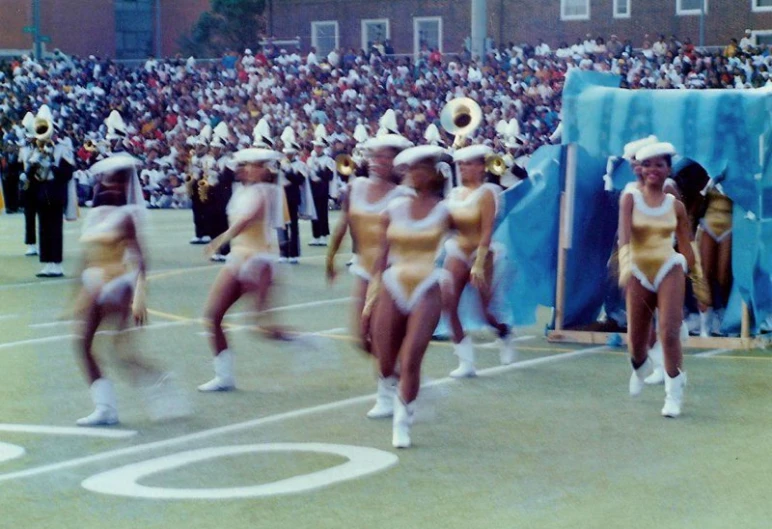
x,y
90,146
43,129
345,165
495,165
461,116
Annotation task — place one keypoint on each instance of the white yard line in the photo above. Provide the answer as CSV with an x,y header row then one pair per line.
x,y
291,307
107,433
262,421
4,317
714,352
494,344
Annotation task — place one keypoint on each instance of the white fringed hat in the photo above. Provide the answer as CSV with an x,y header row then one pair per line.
x,y
632,148
654,150
472,152
413,155
256,155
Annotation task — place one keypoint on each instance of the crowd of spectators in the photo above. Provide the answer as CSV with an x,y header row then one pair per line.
x,y
166,102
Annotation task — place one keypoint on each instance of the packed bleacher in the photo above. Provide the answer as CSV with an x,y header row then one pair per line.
x,y
165,103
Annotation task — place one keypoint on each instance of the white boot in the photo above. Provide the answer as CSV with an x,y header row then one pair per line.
x,y
639,375
403,420
164,399
718,320
507,351
31,250
657,357
384,399
674,394
56,270
223,373
464,350
706,320
105,404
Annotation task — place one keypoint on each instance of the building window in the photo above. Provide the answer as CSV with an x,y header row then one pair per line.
x,y
375,30
575,9
691,7
622,8
761,5
133,28
427,33
762,38
324,36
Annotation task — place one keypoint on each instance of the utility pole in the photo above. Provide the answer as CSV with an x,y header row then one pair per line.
x,y
38,46
158,35
479,28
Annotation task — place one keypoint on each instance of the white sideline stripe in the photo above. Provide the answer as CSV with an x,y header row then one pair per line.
x,y
291,307
51,324
4,317
714,352
253,423
67,430
60,337
337,330
493,344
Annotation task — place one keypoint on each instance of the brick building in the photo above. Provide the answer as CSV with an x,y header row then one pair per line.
x,y
110,28
135,28
445,23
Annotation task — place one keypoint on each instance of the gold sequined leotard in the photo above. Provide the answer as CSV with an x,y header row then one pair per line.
x,y
466,211
254,246
651,240
717,221
413,247
105,251
366,227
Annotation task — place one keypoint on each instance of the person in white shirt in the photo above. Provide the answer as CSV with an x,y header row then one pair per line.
x,y
311,60
746,42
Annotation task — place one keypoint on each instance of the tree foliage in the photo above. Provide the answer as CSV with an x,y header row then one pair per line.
x,y
229,24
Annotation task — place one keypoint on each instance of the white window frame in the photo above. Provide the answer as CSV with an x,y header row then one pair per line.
x,y
366,21
760,32
756,8
614,7
687,12
315,24
563,16
416,39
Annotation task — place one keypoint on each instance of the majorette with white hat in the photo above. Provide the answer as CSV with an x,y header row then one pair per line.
x,y
652,272
48,170
403,303
293,178
255,211
469,254
363,205
323,173
113,284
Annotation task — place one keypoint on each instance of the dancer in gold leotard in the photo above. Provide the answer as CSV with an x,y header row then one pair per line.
x,y
653,272
470,255
409,303
714,238
254,211
113,286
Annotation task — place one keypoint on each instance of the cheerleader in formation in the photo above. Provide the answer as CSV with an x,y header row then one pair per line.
x,y
470,256
653,273
113,286
409,303
254,213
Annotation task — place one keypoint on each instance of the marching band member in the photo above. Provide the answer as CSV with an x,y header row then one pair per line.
x,y
469,256
113,285
292,178
200,178
221,188
323,171
27,143
714,238
365,201
254,211
653,273
406,282
49,170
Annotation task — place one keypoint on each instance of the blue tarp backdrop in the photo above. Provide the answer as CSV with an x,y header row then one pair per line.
x,y
727,132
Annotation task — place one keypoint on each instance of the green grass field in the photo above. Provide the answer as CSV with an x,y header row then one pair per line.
x,y
553,441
